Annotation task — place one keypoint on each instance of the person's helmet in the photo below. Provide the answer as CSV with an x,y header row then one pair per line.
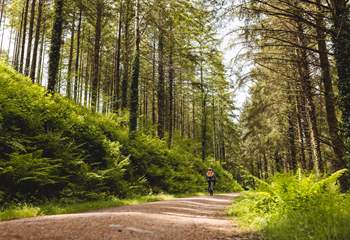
x,y
210,169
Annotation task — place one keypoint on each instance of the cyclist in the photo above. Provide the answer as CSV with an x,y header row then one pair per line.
x,y
211,179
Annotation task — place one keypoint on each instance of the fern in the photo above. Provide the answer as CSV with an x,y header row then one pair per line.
x,y
326,183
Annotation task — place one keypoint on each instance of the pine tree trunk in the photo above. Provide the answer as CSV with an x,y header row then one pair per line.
x,y
341,41
154,120
24,34
306,86
171,89
77,57
70,60
194,132
16,53
2,11
116,101
160,91
126,57
3,32
55,48
36,40
96,60
222,136
30,38
134,94
291,140
204,115
41,57
10,42
302,159
333,126
216,156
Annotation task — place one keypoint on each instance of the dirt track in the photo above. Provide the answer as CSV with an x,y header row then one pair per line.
x,y
201,218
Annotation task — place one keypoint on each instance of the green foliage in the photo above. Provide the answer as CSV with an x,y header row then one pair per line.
x,y
52,149
22,211
174,170
296,207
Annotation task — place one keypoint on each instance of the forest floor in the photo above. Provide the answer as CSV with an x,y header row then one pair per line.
x,y
202,218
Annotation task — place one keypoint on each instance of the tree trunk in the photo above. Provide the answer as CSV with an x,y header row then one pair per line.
x,y
341,41
116,101
41,57
134,97
24,34
171,88
154,120
55,48
16,52
215,145
2,11
70,60
291,140
36,40
77,57
125,81
306,85
30,38
302,159
161,110
96,61
333,126
204,115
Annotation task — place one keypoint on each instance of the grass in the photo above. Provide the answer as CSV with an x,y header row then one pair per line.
x,y
26,211
21,211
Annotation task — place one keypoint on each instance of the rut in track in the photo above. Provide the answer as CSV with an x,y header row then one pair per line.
x,y
201,218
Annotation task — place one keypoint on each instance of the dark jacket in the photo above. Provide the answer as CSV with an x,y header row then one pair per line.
x,y
211,178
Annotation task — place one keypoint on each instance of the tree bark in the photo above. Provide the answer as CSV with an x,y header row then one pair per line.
x,y
41,58
55,48
341,41
126,58
77,57
305,81
24,34
36,40
96,61
30,38
116,101
204,114
333,126
154,120
70,60
134,94
160,91
302,159
171,88
16,52
291,139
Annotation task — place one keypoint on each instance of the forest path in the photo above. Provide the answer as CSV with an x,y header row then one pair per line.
x,y
192,218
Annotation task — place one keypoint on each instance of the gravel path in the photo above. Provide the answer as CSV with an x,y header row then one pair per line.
x,y
201,218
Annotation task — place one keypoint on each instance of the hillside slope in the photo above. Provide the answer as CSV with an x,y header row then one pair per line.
x,y
53,149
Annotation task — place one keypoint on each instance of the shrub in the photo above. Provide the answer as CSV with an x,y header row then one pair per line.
x,y
296,207
53,149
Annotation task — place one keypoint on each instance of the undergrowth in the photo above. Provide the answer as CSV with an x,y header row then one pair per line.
x,y
52,150
296,207
24,210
